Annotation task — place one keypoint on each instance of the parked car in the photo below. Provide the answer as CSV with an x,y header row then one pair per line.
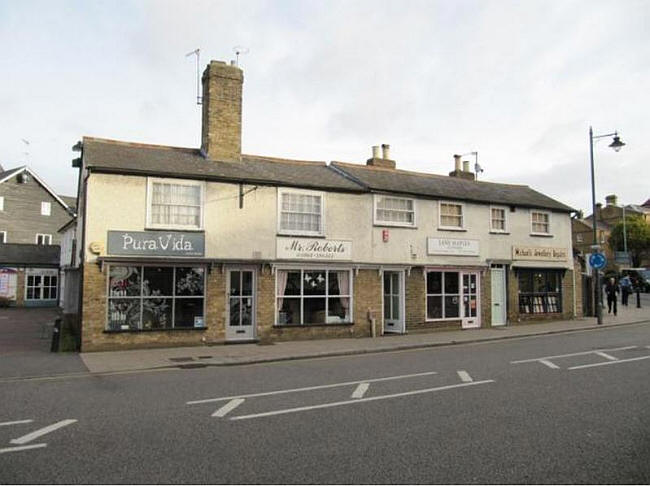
x,y
640,275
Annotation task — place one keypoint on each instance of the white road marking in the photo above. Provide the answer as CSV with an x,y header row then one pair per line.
x,y
569,355
228,407
308,388
606,356
361,390
609,363
549,364
22,448
38,433
16,422
360,400
464,376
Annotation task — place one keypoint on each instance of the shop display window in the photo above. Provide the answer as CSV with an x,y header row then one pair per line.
x,y
155,297
443,295
308,296
540,291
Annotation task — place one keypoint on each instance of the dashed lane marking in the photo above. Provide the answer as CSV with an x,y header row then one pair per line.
x,y
359,400
309,388
228,407
40,432
606,356
464,376
547,358
16,422
549,364
361,390
22,448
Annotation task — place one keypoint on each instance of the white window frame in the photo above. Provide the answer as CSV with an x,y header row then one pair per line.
x,y
178,182
377,222
46,208
45,237
505,220
537,233
579,238
462,216
2,203
281,192
3,236
311,268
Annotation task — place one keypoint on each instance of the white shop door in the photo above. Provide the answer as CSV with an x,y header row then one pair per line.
x,y
498,285
394,302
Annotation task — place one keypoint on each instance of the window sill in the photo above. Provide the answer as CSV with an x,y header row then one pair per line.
x,y
301,235
333,324
499,232
380,224
171,228
542,235
137,331
459,230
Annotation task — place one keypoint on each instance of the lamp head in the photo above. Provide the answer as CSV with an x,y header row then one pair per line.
x,y
617,144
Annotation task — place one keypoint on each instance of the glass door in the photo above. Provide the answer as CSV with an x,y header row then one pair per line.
x,y
471,311
240,324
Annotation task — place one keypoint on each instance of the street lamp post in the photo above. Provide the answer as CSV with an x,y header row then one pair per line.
x,y
616,145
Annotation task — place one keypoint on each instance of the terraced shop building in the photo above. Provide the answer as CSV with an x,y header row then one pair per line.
x,y
185,246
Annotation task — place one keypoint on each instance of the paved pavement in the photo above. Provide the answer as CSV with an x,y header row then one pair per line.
x,y
236,354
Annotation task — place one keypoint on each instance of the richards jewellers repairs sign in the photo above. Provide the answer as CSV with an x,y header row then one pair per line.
x,y
452,246
313,249
156,243
539,253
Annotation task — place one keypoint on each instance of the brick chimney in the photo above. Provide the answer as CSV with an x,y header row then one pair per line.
x,y
222,106
383,161
611,200
464,172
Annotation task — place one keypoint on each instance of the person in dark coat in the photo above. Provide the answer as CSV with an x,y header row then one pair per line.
x,y
611,289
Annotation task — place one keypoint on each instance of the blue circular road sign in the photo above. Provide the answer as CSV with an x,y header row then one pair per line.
x,y
597,261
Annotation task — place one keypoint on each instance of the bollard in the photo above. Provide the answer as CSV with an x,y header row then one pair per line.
x,y
638,297
56,335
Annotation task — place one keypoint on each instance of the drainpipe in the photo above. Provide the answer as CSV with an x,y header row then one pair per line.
x,y
574,289
372,320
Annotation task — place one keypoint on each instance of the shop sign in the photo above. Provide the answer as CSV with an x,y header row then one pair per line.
x,y
8,278
313,249
452,246
539,253
156,243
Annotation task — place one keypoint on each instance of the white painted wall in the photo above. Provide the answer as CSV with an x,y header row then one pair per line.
x,y
117,202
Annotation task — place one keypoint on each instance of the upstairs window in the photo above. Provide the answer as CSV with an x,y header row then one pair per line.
x,y
394,211
540,222
3,236
498,220
2,203
46,208
300,213
43,239
451,216
174,204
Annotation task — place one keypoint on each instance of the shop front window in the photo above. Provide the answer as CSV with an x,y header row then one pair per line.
x,y
443,295
307,296
148,297
540,291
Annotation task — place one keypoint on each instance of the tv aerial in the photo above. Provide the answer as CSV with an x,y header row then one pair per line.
x,y
239,50
197,53
477,168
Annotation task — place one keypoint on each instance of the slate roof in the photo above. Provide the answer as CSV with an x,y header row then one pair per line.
x,y
70,201
139,159
444,187
10,172
33,255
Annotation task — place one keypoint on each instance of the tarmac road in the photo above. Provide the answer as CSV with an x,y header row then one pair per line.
x,y
565,408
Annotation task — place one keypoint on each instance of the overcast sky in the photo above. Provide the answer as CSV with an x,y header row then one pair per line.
x,y
520,82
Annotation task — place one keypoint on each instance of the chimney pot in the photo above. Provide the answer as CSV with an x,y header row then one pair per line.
x,y
465,165
611,200
375,151
457,163
385,149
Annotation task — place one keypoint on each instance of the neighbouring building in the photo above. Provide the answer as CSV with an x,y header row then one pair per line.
x,y
181,246
30,215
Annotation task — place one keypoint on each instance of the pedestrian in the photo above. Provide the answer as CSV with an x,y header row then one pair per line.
x,y
611,289
626,289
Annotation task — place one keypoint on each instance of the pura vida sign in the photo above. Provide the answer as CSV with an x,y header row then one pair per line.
x,y
313,249
156,243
